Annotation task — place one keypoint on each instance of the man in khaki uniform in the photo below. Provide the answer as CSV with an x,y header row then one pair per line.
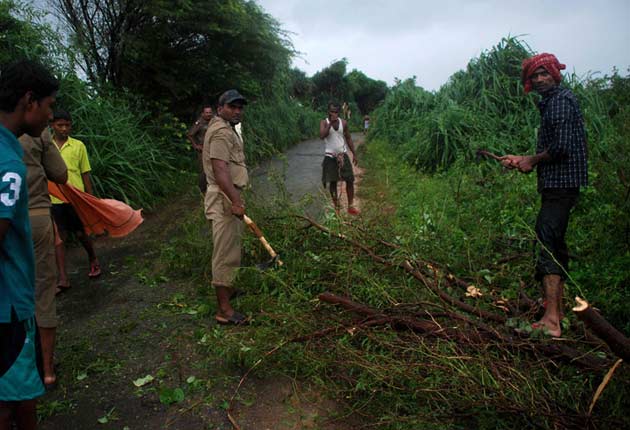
x,y
196,135
226,174
43,162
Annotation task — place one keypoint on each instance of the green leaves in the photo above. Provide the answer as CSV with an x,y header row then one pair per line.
x,y
140,382
168,396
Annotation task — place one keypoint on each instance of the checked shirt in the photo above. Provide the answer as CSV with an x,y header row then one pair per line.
x,y
563,136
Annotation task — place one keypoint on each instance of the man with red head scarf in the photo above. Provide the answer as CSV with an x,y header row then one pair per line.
x,y
561,165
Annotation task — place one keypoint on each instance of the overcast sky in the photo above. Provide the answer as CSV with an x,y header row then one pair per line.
x,y
433,39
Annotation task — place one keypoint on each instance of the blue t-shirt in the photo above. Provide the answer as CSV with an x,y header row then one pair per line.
x,y
17,260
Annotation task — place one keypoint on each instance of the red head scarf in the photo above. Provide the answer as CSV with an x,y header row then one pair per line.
x,y
548,61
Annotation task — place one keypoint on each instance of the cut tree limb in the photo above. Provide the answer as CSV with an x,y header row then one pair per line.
x,y
406,265
433,328
618,343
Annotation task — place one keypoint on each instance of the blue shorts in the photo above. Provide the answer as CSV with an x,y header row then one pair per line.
x,y
21,374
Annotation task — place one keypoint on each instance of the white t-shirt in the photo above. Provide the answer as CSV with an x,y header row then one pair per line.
x,y
335,141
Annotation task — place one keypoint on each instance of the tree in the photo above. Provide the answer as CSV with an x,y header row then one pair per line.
x,y
301,86
101,32
330,84
177,52
367,92
23,35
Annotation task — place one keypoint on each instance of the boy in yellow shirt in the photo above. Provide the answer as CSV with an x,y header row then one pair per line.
x,y
74,153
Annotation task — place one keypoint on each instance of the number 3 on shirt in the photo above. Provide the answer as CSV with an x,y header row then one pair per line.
x,y
15,181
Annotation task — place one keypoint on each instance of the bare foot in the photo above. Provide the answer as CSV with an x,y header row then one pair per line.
x,y
548,327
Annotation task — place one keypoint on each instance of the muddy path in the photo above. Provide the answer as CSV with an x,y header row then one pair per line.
x,y
133,322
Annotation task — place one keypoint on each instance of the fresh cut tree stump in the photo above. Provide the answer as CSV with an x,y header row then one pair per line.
x,y
618,343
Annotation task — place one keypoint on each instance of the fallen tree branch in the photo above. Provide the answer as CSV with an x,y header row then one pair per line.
x,y
347,328
406,265
449,299
432,328
618,343
425,327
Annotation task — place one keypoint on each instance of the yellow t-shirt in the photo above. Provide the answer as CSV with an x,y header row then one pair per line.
x,y
75,155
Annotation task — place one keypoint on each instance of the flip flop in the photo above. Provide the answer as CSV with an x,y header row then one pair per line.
x,y
62,289
353,211
235,319
50,386
95,270
236,293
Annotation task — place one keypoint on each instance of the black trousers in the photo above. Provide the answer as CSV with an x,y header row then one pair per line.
x,y
551,227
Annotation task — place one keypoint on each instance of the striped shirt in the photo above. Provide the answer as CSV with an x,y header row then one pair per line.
x,y
563,136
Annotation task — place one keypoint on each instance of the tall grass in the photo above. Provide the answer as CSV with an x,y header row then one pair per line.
x,y
134,157
481,106
274,123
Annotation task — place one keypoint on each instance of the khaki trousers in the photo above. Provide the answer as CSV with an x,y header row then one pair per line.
x,y
226,249
226,237
45,268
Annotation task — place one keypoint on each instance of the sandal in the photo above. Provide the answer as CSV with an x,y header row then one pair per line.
x,y
62,289
353,211
236,293
95,269
235,319
50,386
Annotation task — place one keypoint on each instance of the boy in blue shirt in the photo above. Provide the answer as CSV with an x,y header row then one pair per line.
x,y
27,92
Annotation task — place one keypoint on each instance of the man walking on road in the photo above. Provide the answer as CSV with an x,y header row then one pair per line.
x,y
336,165
196,135
561,164
226,174
74,154
43,163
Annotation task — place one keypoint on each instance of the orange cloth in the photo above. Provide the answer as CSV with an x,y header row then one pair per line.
x,y
99,216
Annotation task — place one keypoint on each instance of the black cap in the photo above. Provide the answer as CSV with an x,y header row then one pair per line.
x,y
230,96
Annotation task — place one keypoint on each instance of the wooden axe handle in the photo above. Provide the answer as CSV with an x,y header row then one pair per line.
x,y
259,234
254,228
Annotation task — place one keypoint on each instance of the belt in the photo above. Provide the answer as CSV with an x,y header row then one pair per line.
x,y
39,212
217,189
334,154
